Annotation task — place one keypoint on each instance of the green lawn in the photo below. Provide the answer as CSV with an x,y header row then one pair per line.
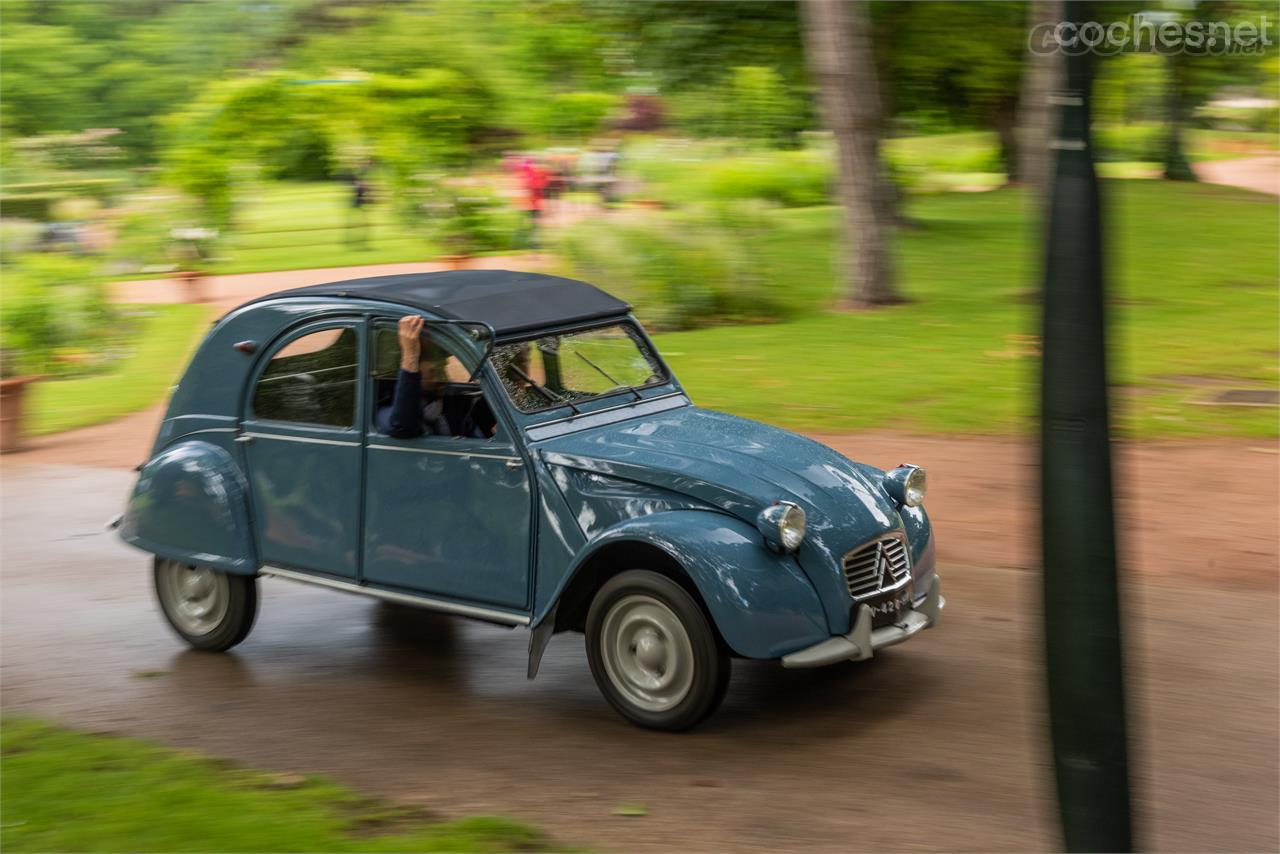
x,y
165,337
70,791
1193,305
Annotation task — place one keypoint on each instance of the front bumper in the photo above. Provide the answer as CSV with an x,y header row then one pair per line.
x,y
863,641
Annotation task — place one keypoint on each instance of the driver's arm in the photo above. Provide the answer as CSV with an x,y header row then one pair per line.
x,y
403,418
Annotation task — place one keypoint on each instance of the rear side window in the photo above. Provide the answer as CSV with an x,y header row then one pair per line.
x,y
311,380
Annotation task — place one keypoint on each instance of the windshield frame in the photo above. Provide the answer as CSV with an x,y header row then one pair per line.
x,y
639,337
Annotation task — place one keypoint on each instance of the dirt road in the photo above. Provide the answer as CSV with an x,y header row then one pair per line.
x,y
938,744
1260,174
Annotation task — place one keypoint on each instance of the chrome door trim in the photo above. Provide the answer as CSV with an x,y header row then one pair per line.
x,y
304,439
439,451
442,605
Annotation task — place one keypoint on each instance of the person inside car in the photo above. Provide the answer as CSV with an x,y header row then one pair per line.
x,y
417,407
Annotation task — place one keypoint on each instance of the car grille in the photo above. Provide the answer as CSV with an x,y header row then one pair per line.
x,y
878,565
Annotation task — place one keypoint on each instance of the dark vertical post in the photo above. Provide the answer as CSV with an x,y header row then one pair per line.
x,y
1081,596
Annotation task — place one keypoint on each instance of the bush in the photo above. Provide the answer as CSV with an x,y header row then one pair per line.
x,y
788,178
51,304
1135,142
476,222
681,271
577,115
793,179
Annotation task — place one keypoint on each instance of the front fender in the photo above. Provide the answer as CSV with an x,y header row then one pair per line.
x,y
762,603
190,504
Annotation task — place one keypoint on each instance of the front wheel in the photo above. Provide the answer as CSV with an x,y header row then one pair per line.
x,y
653,653
208,609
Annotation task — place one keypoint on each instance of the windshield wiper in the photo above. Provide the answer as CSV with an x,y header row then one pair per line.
x,y
617,386
545,392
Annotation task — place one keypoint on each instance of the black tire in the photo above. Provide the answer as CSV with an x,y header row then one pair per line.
x,y
235,621
710,663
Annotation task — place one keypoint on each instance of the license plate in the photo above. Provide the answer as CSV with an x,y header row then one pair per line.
x,y
888,608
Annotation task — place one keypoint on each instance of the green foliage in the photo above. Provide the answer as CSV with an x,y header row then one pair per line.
x,y
48,77
474,222
148,346
69,791
682,271
429,120
33,206
690,175
51,303
577,116
1142,142
789,178
751,103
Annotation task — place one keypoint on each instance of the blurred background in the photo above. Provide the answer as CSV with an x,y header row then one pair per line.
x,y
164,161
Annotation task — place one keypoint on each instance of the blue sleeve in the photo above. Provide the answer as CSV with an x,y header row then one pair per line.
x,y
403,418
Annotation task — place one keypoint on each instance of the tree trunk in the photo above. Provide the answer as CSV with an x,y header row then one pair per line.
x,y
1041,77
1176,165
838,43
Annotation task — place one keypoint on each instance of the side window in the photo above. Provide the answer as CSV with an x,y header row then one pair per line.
x,y
311,380
451,404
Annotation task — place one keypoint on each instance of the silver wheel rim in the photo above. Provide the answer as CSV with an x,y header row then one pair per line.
x,y
647,653
196,598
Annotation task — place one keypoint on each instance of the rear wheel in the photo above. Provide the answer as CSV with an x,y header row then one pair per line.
x,y
208,609
653,653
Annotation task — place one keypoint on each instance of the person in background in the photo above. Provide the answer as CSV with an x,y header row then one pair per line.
x,y
533,185
361,196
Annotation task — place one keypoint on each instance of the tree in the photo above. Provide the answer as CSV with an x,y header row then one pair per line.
x,y
1041,77
960,62
837,37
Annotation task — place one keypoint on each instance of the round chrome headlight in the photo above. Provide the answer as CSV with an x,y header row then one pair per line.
x,y
782,524
907,484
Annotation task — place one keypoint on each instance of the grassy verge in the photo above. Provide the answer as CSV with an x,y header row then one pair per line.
x,y
69,791
1193,311
165,339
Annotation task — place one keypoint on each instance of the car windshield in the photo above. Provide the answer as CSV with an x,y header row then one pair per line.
x,y
566,369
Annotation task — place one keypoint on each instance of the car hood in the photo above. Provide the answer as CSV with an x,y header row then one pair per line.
x,y
738,466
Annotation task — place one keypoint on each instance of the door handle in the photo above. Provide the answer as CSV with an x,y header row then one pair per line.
x,y
244,439
514,464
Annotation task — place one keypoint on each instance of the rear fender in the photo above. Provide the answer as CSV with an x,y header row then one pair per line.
x,y
762,603
191,504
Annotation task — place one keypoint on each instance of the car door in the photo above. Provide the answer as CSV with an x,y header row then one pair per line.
x,y
445,515
302,442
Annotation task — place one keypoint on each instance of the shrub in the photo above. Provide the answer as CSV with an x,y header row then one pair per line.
x,y
51,303
680,271
475,222
792,179
577,115
1141,142
787,178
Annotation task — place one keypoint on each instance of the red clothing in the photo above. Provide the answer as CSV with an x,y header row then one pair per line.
x,y
533,180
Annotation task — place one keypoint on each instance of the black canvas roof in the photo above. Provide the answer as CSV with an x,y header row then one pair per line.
x,y
510,302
